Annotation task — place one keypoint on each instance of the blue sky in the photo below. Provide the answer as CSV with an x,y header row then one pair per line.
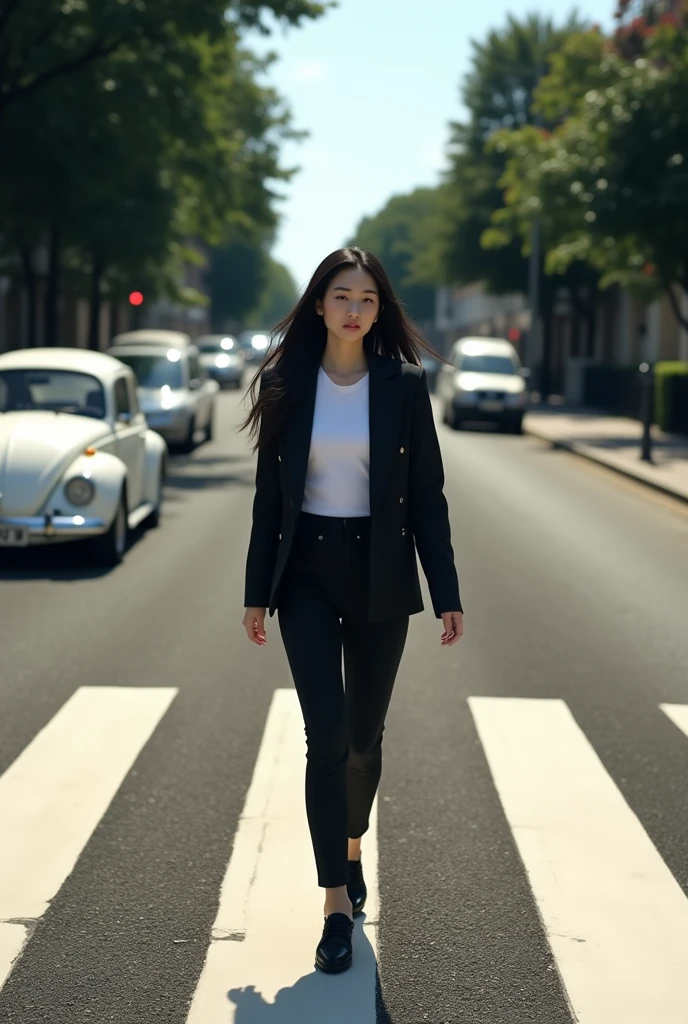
x,y
375,83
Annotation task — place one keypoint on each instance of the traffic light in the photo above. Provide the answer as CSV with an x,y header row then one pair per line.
x,y
136,298
514,335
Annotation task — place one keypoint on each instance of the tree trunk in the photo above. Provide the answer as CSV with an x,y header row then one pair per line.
x,y
30,285
52,326
97,270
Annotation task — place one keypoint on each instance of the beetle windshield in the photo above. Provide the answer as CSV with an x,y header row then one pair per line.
x,y
51,390
153,371
487,364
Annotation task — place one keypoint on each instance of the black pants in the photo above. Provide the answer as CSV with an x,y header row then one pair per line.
x,y
322,610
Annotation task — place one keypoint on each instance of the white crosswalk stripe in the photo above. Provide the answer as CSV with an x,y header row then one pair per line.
x,y
266,928
615,917
55,793
678,713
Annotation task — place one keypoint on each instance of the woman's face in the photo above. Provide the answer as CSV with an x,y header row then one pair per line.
x,y
351,304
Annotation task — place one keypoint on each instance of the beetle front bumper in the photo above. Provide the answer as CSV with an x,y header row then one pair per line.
x,y
17,531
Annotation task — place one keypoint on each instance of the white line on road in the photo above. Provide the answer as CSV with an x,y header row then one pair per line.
x,y
615,917
55,793
678,713
259,965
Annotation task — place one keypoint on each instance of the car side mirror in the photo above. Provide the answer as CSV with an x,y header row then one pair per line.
x,y
524,371
124,417
195,384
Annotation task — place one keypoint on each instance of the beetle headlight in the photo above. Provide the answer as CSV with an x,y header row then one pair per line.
x,y
79,491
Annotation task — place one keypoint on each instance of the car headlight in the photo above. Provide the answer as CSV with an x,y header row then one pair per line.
x,y
79,491
222,361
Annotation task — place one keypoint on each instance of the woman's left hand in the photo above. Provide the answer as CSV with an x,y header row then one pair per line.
x,y
453,628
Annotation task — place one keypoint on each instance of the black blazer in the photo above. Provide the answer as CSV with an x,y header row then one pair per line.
x,y
407,503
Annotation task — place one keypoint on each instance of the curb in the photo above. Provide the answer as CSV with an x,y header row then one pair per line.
x,y
586,452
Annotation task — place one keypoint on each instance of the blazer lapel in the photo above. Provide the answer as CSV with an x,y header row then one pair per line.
x,y
384,414
295,443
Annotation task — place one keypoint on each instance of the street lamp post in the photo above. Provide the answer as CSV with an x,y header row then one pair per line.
x,y
647,382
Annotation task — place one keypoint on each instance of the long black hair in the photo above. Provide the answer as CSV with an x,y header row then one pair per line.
x,y
302,335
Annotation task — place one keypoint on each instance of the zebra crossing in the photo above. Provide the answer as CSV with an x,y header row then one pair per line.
x,y
614,916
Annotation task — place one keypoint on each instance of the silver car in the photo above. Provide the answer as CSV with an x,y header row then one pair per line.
x,y
485,381
222,359
255,345
174,391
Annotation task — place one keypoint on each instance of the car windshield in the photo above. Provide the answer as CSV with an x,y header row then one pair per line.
x,y
487,364
52,390
153,371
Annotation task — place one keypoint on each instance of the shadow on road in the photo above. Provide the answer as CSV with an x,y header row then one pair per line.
x,y
198,472
63,562
318,998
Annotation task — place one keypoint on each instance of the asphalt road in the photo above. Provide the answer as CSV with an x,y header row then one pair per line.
x,y
575,586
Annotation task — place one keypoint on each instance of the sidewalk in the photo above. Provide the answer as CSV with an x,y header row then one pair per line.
x,y
615,442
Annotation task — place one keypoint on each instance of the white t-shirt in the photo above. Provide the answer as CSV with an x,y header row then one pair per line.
x,y
338,474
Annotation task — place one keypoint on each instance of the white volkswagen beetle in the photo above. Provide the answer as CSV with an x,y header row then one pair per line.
x,y
77,459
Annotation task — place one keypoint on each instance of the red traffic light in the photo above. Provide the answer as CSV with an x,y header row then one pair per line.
x,y
513,334
136,298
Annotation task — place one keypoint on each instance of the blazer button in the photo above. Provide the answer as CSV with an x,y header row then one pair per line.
x,y
320,537
279,457
401,501
401,450
280,536
403,532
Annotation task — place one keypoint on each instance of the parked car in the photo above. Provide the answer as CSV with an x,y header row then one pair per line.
x,y
77,460
174,391
222,359
255,345
485,382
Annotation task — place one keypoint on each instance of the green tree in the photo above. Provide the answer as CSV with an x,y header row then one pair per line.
x,y
396,235
277,298
237,277
42,41
498,93
611,182
138,152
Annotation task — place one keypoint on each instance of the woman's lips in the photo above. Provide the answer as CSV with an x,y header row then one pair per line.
x,y
352,327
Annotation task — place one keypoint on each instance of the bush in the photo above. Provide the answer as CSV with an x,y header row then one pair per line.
x,y
667,415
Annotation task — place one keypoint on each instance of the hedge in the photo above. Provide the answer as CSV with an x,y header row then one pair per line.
x,y
666,416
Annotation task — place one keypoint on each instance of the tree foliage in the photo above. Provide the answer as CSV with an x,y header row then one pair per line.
x,y
119,159
498,93
398,235
42,41
277,298
611,182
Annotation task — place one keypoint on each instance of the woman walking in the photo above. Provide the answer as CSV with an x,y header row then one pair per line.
x,y
349,483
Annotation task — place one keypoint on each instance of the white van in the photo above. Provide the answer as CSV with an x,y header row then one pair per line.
x,y
484,382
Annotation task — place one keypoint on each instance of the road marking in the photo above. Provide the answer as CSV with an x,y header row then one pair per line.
x,y
615,917
270,915
678,713
55,793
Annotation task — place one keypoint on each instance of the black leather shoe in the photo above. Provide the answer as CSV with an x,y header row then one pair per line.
x,y
334,951
356,887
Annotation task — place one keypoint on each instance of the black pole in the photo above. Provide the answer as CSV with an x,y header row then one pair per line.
x,y
647,383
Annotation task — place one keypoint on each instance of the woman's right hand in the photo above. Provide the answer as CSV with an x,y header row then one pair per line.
x,y
254,624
